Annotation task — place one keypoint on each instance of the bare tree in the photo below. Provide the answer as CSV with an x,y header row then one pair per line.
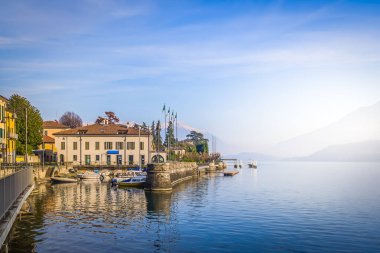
x,y
71,120
110,117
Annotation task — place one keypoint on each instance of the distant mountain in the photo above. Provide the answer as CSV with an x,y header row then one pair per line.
x,y
246,156
359,151
360,125
184,129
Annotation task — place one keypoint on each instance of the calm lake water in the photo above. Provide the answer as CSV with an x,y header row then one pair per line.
x,y
280,207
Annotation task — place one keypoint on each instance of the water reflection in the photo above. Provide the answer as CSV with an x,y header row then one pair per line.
x,y
66,215
292,207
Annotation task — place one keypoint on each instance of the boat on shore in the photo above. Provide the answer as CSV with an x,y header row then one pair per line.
x,y
137,181
62,180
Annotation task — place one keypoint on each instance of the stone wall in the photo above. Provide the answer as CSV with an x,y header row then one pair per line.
x,y
163,176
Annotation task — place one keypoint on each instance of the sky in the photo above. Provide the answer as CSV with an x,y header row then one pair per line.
x,y
253,73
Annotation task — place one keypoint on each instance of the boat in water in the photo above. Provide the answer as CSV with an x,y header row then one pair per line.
x,y
252,164
89,176
238,164
119,177
137,181
63,180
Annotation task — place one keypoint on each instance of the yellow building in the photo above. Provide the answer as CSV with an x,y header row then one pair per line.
x,y
3,137
11,137
47,150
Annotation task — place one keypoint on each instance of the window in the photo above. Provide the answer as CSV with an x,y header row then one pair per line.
x,y
97,158
142,159
75,158
119,145
63,145
75,145
46,132
141,145
119,159
108,160
1,133
130,145
88,159
107,145
130,159
87,145
97,145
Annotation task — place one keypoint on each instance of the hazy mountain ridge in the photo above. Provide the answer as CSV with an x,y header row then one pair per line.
x,y
246,156
357,126
358,151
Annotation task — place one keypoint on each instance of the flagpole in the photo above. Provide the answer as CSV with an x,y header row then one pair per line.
x,y
158,141
170,120
164,111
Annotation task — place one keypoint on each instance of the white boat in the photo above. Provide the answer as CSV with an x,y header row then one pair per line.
x,y
252,164
89,176
119,177
62,180
137,181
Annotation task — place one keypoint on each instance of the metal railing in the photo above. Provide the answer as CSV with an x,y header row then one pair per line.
x,y
12,186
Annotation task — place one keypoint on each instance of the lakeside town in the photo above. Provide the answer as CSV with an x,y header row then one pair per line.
x,y
106,142
36,151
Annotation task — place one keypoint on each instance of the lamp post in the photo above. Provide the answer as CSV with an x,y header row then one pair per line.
x,y
43,152
139,146
26,136
80,149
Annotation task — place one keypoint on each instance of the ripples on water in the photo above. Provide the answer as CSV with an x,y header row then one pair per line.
x,y
281,207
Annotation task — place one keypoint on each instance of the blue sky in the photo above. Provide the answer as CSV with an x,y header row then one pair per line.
x,y
254,73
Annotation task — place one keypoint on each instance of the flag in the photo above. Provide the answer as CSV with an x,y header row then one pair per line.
x,y
164,108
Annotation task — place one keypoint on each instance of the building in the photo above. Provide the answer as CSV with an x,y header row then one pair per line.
x,y
179,151
3,137
52,126
11,137
104,144
47,151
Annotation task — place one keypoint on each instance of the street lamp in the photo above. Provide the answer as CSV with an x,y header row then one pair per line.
x,y
139,147
43,151
26,136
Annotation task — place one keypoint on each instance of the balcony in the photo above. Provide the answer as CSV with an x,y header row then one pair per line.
x,y
12,136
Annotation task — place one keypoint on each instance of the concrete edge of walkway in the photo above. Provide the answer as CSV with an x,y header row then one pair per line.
x,y
7,222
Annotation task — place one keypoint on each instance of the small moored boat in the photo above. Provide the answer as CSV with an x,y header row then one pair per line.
x,y
252,164
89,176
61,180
119,177
137,181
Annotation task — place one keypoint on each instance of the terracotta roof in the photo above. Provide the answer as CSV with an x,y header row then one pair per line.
x,y
53,124
4,98
101,129
48,139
